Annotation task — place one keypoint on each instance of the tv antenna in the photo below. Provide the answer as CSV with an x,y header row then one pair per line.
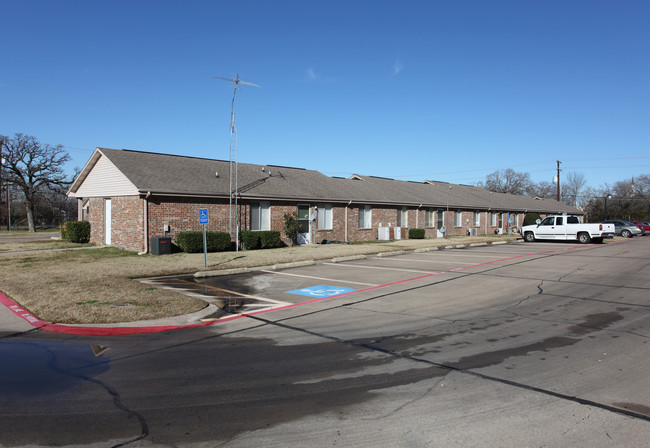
x,y
234,192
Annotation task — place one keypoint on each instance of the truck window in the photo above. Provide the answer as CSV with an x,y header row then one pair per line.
x,y
548,221
559,221
572,220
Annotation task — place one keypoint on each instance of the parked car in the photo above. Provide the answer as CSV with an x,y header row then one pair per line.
x,y
644,226
624,228
567,228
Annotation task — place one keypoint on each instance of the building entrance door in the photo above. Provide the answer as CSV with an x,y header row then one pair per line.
x,y
304,229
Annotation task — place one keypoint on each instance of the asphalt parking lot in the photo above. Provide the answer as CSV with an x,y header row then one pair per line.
x,y
526,344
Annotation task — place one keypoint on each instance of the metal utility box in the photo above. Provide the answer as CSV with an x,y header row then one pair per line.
x,y
161,245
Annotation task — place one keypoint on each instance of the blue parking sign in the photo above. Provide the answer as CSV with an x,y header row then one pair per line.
x,y
203,216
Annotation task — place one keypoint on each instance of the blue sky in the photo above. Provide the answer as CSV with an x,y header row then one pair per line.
x,y
410,90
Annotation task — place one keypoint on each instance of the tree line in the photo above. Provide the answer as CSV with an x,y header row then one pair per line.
x,y
627,199
33,183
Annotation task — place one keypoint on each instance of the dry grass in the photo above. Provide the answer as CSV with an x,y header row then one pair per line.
x,y
99,286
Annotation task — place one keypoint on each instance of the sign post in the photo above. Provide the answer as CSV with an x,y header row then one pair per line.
x,y
203,220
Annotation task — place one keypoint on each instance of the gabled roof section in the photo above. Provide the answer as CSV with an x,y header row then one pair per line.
x,y
112,172
101,178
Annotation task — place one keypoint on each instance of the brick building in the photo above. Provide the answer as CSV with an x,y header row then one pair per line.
x,y
131,196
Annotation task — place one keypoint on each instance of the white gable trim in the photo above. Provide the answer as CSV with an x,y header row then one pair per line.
x,y
104,179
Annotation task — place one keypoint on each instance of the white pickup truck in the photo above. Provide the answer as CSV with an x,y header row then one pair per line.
x,y
566,228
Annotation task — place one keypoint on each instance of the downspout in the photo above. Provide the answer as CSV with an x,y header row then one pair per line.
x,y
146,225
346,220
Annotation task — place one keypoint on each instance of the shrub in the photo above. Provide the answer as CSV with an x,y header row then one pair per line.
x,y
249,239
270,239
291,227
531,218
416,234
260,239
192,242
76,231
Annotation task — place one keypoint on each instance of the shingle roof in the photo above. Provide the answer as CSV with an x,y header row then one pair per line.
x,y
164,174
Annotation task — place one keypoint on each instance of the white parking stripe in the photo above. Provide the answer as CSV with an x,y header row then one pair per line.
x,y
378,267
319,278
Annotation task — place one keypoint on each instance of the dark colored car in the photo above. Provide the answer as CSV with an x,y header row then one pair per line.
x,y
644,226
625,228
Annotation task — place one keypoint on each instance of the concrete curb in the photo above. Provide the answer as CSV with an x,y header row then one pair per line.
x,y
205,274
295,264
348,258
426,249
394,253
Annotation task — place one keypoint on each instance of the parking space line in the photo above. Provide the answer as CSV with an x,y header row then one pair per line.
x,y
318,278
420,260
377,267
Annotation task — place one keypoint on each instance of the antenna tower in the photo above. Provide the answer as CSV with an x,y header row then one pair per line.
x,y
234,189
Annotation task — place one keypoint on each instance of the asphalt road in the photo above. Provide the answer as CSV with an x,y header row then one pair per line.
x,y
529,344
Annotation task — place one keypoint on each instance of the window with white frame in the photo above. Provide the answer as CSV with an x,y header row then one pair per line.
x,y
365,217
458,218
324,216
493,219
477,218
402,217
260,216
430,217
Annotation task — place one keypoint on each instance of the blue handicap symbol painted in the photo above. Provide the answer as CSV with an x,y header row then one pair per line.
x,y
321,291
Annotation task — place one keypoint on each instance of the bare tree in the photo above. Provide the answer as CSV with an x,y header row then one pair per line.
x,y
33,168
572,185
542,189
507,181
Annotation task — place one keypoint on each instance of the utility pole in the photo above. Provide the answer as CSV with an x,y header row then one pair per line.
x,y
558,180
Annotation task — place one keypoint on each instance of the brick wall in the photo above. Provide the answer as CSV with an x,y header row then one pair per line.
x,y
182,214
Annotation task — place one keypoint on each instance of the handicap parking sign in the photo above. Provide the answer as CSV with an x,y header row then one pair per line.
x,y
203,216
321,291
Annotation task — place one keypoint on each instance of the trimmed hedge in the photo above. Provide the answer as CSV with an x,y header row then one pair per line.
x,y
76,231
416,234
249,239
260,239
192,242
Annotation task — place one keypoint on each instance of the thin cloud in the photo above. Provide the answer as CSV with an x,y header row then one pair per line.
x,y
311,75
397,67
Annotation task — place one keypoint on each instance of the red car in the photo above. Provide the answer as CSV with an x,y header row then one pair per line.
x,y
644,226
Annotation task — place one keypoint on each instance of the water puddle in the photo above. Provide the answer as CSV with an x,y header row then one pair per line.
x,y
30,369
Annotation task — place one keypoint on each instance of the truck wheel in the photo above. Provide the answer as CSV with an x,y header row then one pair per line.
x,y
529,237
626,234
584,238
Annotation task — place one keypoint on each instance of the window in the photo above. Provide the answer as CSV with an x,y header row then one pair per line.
x,y
477,218
501,220
548,221
493,219
324,216
458,218
365,217
260,216
429,217
402,217
441,218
